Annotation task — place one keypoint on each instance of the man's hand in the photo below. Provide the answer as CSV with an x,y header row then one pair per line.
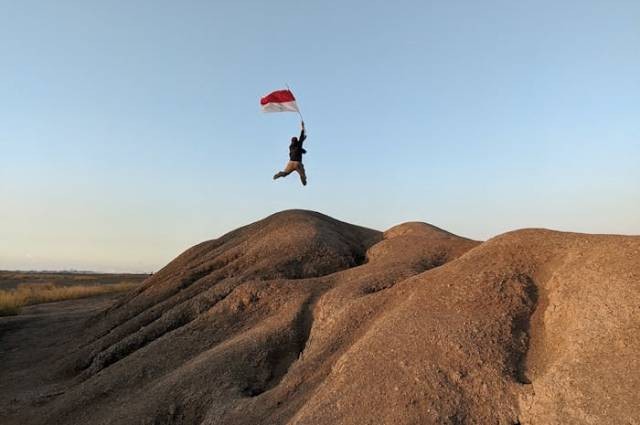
x,y
302,122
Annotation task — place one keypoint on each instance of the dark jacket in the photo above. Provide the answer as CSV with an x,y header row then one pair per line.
x,y
295,148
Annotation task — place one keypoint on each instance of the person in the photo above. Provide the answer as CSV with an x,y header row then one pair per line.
x,y
295,158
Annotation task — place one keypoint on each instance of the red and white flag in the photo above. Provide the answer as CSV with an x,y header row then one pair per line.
x,y
279,101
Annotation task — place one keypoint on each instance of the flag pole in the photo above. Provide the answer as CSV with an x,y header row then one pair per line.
x,y
299,113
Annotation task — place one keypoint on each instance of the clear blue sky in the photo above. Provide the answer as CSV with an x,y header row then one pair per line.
x,y
130,130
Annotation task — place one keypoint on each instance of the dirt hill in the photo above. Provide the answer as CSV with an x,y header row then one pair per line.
x,y
303,319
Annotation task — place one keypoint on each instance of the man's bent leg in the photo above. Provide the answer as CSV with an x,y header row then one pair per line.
x,y
288,169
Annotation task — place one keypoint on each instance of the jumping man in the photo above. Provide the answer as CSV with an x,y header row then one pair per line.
x,y
295,158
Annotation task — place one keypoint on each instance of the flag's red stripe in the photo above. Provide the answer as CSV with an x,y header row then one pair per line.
x,y
279,96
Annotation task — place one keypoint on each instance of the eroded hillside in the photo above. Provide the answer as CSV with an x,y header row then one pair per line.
x,y
303,319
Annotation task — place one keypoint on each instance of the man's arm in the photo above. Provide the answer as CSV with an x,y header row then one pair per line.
x,y
303,136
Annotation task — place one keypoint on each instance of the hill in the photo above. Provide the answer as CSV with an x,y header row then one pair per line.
x,y
302,319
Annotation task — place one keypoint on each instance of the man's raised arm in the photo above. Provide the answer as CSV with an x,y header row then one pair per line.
x,y
303,136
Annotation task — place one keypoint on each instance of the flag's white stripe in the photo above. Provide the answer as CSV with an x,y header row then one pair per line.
x,y
280,107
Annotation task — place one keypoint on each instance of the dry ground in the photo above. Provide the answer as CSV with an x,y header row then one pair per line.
x,y
12,279
19,289
29,343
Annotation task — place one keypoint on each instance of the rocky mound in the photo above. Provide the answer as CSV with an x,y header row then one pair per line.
x,y
303,319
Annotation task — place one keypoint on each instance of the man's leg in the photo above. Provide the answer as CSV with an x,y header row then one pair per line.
x,y
287,170
303,174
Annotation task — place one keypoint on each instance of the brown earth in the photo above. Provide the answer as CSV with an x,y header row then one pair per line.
x,y
303,319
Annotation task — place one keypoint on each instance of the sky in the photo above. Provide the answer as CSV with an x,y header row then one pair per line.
x,y
131,130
